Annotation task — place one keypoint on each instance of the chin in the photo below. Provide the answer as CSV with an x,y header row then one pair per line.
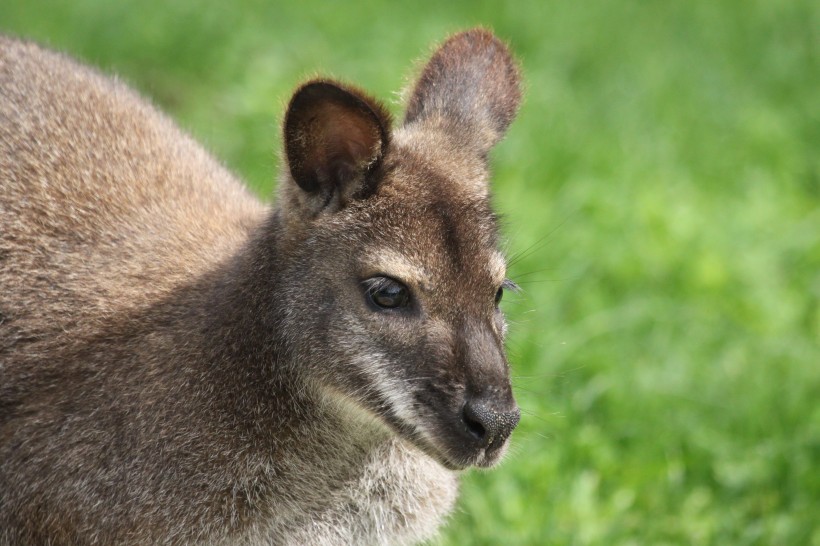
x,y
457,457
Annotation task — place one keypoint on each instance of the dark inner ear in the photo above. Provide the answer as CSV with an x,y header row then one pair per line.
x,y
334,136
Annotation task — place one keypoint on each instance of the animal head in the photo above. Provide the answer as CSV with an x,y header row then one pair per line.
x,y
394,275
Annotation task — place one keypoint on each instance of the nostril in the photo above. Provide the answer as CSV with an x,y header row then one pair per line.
x,y
487,425
474,426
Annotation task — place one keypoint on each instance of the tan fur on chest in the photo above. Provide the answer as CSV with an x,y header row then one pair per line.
x,y
182,364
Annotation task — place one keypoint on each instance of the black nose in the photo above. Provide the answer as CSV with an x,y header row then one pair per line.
x,y
488,425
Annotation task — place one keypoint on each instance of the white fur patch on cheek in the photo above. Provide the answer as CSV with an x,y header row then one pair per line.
x,y
389,388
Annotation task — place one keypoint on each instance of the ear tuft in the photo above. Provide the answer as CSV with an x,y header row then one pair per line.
x,y
471,85
334,137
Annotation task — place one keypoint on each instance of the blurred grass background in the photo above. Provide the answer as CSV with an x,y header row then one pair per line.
x,y
662,195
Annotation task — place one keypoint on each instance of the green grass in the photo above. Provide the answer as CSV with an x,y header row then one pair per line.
x,y
662,190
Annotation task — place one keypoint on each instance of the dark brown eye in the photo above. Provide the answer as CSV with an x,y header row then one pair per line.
x,y
498,296
386,293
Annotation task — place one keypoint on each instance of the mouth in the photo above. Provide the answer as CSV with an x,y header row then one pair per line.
x,y
442,456
453,452
453,449
475,435
456,445
470,440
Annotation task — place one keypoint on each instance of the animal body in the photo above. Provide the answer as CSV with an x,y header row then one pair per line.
x,y
182,364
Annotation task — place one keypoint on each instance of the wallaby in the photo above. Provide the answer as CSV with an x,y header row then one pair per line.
x,y
181,364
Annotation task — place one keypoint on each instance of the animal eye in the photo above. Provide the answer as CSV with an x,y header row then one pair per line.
x,y
499,295
386,293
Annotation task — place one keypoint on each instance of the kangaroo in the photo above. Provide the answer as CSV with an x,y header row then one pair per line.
x,y
182,364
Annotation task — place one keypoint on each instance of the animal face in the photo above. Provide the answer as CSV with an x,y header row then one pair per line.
x,y
396,274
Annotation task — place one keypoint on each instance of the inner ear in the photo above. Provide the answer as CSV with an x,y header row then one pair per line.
x,y
334,136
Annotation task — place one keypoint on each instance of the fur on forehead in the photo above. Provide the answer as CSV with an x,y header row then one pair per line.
x,y
440,229
431,158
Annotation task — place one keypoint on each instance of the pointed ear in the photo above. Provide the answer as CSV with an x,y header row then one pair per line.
x,y
334,137
471,88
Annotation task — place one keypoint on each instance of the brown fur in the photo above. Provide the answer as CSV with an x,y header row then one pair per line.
x,y
180,364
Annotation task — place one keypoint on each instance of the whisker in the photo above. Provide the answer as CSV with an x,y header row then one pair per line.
x,y
550,374
536,272
540,243
519,388
554,279
530,413
525,433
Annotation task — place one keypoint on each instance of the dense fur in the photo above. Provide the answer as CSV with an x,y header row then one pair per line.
x,y
180,364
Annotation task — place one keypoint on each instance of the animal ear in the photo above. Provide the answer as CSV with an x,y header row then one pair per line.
x,y
334,138
471,87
